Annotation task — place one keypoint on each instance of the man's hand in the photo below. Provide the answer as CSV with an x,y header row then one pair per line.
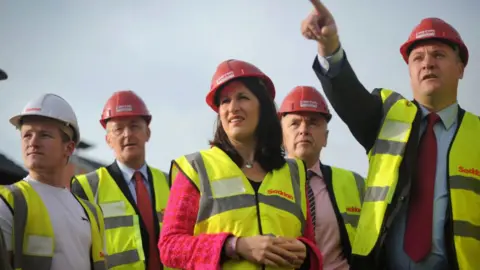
x,y
320,26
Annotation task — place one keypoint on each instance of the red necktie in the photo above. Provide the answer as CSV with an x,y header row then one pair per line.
x,y
145,207
418,234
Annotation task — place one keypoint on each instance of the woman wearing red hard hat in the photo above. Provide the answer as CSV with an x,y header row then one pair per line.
x,y
239,204
424,154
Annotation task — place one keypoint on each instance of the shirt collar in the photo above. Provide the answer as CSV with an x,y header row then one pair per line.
x,y
128,172
448,115
316,169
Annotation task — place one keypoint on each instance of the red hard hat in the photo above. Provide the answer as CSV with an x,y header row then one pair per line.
x,y
233,69
305,99
435,28
124,103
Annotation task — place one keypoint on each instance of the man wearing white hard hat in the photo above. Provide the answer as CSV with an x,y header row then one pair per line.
x,y
45,226
4,256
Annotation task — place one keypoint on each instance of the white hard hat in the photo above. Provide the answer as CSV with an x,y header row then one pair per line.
x,y
53,107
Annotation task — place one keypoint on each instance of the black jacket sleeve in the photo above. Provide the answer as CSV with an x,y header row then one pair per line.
x,y
360,110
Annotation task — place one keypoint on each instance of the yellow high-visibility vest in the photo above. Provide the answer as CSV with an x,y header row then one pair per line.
x,y
33,236
463,179
348,188
122,224
228,202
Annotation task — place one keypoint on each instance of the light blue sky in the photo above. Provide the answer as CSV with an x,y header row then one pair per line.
x,y
167,51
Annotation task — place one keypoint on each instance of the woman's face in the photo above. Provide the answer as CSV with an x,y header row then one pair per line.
x,y
239,111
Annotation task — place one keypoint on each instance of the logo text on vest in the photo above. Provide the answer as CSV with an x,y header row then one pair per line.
x,y
353,209
280,193
469,170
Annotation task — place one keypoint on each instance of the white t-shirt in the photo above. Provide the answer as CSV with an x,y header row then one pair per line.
x,y
70,224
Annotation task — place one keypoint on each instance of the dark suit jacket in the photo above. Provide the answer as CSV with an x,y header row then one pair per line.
x,y
362,112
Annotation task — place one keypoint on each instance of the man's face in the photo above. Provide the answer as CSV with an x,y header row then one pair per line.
x,y
435,69
45,146
127,136
304,134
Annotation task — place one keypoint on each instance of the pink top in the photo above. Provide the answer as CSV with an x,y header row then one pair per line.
x,y
327,234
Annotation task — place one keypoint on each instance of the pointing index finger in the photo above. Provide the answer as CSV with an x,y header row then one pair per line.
x,y
319,7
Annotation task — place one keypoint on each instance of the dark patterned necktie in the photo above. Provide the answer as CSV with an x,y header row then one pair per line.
x,y
311,197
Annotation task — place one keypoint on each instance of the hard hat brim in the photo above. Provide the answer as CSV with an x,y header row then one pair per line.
x,y
210,99
409,45
16,122
327,116
3,75
146,117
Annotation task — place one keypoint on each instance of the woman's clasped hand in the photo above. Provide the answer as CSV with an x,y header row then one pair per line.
x,y
273,251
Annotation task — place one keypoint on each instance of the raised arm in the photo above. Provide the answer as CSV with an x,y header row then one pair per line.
x,y
357,107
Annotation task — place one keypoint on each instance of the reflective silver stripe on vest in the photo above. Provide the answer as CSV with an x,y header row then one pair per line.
x,y
465,228
375,194
99,265
118,222
92,179
360,185
465,183
92,208
21,260
124,221
350,219
126,257
109,222
386,146
76,188
210,206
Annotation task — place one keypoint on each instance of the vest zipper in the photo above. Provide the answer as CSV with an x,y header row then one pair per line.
x,y
258,217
